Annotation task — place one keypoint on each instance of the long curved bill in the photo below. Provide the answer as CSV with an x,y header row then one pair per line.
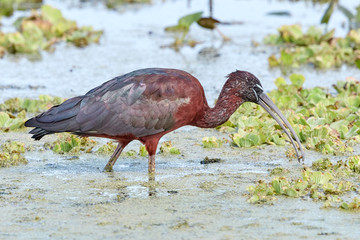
x,y
271,108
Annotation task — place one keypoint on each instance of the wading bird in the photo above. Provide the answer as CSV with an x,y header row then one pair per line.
x,y
146,104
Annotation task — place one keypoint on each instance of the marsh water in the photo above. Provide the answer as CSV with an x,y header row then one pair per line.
x,y
67,197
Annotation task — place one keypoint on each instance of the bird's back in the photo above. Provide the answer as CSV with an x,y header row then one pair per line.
x,y
141,103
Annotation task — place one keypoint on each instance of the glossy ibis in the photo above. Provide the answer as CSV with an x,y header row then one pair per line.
x,y
146,104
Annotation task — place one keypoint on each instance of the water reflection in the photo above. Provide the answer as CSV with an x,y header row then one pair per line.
x,y
133,189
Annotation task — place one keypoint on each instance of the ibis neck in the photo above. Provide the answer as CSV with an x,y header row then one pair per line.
x,y
224,108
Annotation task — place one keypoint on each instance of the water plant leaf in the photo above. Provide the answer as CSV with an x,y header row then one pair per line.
x,y
325,185
70,144
41,31
280,82
9,122
212,142
44,102
11,154
107,148
187,20
167,148
328,12
51,14
297,80
142,151
315,47
182,28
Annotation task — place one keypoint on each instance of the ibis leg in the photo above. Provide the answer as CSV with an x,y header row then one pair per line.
x,y
114,157
151,145
152,164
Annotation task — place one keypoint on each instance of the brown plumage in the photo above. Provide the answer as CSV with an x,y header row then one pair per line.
x,y
146,104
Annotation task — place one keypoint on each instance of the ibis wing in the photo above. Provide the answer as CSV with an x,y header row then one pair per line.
x,y
143,102
132,109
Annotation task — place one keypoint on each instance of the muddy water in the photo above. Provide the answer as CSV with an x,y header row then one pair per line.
x,y
63,197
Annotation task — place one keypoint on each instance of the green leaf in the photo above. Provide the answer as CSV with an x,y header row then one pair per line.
x,y
187,20
273,61
65,147
143,152
277,186
286,58
345,206
357,63
280,82
291,192
4,117
297,80
326,17
51,14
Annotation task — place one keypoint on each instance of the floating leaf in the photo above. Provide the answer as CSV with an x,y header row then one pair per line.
x,y
297,80
167,148
40,31
211,142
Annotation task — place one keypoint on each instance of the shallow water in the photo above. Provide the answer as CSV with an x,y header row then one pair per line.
x,y
64,198
133,38
56,197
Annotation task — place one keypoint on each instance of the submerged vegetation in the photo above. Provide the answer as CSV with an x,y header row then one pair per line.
x,y
41,30
324,122
325,182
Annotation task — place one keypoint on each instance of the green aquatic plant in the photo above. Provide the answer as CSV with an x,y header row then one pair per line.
x,y
68,143
354,163
11,154
167,148
116,3
130,153
10,122
212,142
326,186
7,7
353,205
41,31
15,105
315,47
142,151
279,171
182,28
13,111
353,19
324,122
107,148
